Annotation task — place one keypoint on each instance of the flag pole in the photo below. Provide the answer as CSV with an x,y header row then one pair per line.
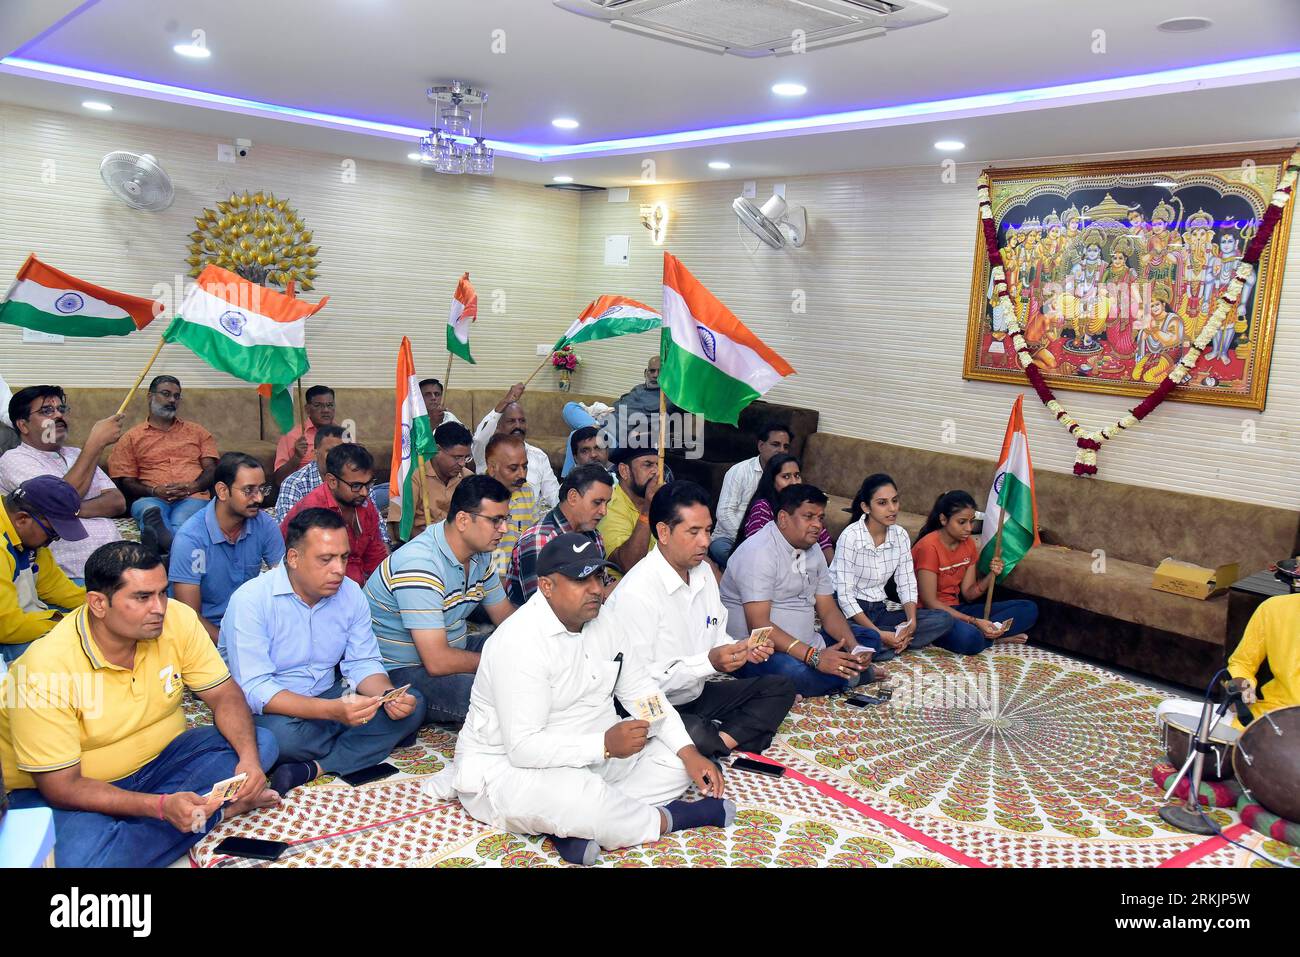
x,y
424,490
302,409
446,378
540,367
140,378
663,429
997,553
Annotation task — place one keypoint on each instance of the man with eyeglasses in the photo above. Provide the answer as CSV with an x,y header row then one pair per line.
x,y
40,414
442,474
421,596
312,475
294,450
166,464
349,477
227,543
32,586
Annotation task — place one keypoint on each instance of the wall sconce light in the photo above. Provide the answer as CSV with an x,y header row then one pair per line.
x,y
655,219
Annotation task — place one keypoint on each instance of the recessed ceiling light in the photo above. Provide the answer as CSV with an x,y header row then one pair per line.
x,y
789,89
96,105
561,179
950,145
719,164
564,123
1185,24
192,50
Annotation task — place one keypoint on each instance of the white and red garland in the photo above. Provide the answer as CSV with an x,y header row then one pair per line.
x,y
1089,443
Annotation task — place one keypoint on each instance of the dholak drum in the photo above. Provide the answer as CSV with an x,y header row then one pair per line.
x,y
1267,761
1180,729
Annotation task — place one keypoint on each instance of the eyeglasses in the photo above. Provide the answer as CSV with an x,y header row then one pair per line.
x,y
49,531
259,491
460,459
168,395
357,487
48,410
502,523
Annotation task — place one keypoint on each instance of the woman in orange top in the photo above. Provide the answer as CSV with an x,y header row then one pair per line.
x,y
945,559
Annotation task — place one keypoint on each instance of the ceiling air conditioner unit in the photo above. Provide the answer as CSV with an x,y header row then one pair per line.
x,y
757,28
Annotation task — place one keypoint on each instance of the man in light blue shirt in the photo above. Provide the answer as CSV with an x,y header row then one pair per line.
x,y
225,544
283,636
421,595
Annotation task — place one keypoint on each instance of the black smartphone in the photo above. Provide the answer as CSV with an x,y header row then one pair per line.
x,y
864,700
366,775
745,764
252,847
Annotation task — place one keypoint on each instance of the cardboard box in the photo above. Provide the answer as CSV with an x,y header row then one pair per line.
x,y
1194,581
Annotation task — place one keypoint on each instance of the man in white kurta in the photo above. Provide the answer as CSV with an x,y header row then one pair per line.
x,y
543,751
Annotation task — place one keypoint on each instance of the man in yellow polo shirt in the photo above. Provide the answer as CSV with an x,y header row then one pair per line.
x,y
626,525
91,723
1273,632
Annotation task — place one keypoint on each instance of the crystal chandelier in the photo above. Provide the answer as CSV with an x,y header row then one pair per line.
x,y
442,149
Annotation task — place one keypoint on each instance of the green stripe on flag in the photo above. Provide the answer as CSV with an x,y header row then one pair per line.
x,y
697,385
610,329
282,410
27,316
458,348
423,448
1017,501
276,365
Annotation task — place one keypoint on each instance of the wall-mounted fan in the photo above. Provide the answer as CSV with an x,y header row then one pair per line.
x,y
137,180
776,222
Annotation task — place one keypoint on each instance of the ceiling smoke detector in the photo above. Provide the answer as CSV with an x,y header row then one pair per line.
x,y
757,28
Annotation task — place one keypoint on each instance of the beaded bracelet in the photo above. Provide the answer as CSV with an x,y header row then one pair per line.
x,y
808,655
816,659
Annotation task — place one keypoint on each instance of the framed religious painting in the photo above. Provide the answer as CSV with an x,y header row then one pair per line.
x,y
1114,269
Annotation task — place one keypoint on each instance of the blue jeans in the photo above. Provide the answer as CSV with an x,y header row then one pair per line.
x,y
194,761
447,696
12,652
931,625
720,550
966,639
337,747
174,514
807,681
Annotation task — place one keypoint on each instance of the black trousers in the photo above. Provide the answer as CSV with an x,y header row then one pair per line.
x,y
748,709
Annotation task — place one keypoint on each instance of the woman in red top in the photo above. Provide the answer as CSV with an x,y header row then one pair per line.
x,y
945,559
782,470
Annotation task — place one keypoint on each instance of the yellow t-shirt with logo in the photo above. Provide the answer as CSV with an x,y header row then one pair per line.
x,y
62,703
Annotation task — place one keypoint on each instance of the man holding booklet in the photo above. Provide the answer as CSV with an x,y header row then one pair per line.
x,y
284,635
543,750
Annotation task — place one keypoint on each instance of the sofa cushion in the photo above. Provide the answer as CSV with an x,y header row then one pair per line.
x,y
1122,591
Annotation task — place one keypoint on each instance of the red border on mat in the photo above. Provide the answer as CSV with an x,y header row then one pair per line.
x,y
848,801
1205,848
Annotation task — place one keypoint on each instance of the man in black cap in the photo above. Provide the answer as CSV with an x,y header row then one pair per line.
x,y
543,749
32,585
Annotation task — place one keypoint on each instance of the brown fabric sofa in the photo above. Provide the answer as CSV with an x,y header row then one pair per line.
x,y
1101,543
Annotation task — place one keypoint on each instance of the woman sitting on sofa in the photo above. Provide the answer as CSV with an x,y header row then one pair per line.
x,y
782,470
872,550
945,558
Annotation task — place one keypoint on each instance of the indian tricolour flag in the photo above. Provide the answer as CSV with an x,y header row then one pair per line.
x,y
712,364
49,300
608,317
252,332
1011,503
412,437
464,310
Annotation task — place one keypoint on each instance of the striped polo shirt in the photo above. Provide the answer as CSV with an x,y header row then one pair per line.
x,y
422,586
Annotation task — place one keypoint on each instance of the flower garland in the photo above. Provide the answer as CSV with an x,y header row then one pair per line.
x,y
1089,443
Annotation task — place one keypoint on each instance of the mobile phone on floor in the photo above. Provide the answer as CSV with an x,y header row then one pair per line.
x,y
864,700
365,775
745,764
252,847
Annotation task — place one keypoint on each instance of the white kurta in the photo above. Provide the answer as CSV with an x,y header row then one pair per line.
x,y
530,757
540,474
670,624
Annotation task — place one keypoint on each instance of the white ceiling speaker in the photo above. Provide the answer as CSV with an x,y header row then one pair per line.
x,y
757,28
137,180
776,223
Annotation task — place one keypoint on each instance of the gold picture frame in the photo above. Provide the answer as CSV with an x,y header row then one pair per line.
x,y
1114,266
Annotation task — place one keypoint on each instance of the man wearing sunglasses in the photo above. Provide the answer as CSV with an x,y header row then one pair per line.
x,y
32,585
227,543
40,414
349,477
